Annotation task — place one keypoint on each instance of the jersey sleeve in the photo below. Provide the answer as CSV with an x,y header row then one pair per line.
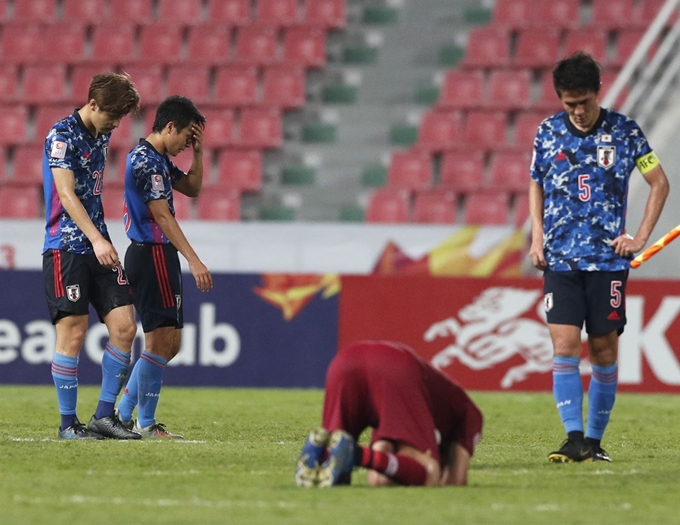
x,y
645,159
537,169
147,172
60,149
176,174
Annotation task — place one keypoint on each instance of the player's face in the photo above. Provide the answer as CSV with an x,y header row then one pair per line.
x,y
582,107
180,140
104,121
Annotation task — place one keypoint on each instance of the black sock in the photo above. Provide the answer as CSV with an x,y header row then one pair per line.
x,y
575,435
595,443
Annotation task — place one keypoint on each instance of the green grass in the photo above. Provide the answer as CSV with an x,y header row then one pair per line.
x,y
236,466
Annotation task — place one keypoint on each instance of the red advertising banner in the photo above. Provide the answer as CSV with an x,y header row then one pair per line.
x,y
490,334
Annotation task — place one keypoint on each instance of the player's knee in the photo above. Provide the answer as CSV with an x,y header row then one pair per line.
x,y
375,479
126,332
433,471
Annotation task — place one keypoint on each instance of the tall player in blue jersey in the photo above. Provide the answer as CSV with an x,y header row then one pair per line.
x,y
151,260
80,265
583,160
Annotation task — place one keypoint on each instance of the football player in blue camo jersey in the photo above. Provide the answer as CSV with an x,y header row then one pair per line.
x,y
151,260
582,163
80,265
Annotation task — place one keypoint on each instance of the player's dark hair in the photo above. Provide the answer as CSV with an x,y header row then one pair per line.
x,y
114,93
579,72
179,110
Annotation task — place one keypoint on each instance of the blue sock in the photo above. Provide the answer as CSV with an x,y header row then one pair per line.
x,y
115,366
149,379
601,396
128,401
568,392
65,376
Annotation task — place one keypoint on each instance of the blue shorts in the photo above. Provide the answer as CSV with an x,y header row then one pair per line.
x,y
597,299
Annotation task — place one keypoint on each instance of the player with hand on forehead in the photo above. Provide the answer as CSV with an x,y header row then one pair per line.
x,y
425,427
80,265
580,174
152,260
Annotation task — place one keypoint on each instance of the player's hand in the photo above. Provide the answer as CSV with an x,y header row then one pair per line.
x,y
204,281
196,138
106,254
537,256
625,245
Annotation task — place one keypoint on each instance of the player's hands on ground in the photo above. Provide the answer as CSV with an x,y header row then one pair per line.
x,y
196,138
625,245
106,254
537,256
204,281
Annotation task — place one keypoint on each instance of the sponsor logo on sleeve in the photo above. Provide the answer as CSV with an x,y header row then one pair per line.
x,y
157,182
58,150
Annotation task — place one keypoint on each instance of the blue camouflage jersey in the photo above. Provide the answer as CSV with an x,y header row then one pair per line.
x,y
71,146
148,176
585,177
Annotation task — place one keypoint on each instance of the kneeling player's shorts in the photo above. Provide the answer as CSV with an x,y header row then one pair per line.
x,y
156,279
597,299
74,280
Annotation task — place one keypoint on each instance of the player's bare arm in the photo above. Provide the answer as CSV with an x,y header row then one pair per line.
x,y
192,184
659,187
454,472
536,216
170,227
64,181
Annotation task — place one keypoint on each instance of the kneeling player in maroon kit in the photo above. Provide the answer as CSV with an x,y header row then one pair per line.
x,y
425,427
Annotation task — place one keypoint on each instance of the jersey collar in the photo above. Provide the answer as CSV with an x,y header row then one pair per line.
x,y
582,134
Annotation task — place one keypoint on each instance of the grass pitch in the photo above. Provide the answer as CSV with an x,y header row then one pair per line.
x,y
237,460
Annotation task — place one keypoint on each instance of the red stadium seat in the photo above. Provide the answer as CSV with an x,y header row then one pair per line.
x,y
462,89
510,171
389,205
612,15
526,126
410,170
181,12
17,202
558,13
160,44
209,45
112,200
190,81
514,13
240,170
284,86
276,12
521,209
462,171
230,12
440,130
48,115
14,120
126,11
260,128
3,165
626,42
3,10
44,83
257,44
487,47
328,14
548,101
485,129
92,11
9,80
183,206
435,206
607,78
27,161
591,41
219,128
509,89
219,206
236,85
122,137
148,80
486,208
305,46
64,43
21,43
537,48
113,42
35,11
648,9
81,76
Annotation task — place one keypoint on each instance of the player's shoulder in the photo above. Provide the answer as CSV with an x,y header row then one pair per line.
x,y
65,126
616,119
552,123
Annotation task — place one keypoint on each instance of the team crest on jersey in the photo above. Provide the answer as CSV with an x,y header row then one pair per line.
x,y
606,156
58,150
157,182
73,292
548,301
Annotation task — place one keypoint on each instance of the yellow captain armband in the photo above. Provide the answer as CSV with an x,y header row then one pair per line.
x,y
647,163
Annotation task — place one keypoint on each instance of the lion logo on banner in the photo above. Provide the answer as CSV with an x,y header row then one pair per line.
x,y
491,330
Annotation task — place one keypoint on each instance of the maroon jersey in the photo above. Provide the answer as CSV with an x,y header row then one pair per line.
x,y
386,386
